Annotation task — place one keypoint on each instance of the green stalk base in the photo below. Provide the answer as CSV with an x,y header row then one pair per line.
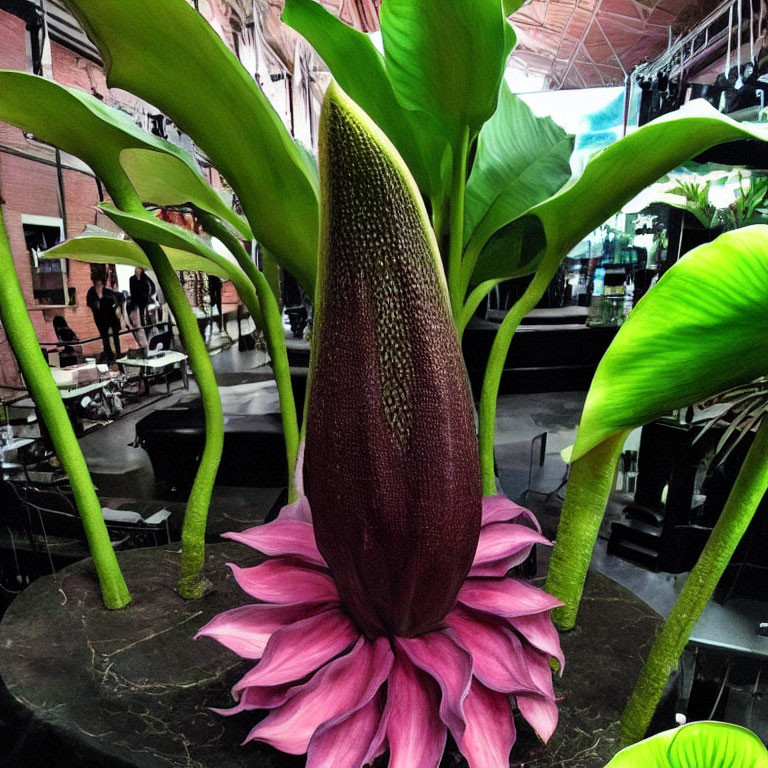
x,y
747,493
589,486
23,340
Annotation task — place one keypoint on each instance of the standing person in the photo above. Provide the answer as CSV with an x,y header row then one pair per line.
x,y
133,323
103,303
214,292
142,288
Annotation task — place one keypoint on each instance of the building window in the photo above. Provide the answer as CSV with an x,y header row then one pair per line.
x,y
49,276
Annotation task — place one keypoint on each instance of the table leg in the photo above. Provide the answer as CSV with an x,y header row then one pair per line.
x,y
184,374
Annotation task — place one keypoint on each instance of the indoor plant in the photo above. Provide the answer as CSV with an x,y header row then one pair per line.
x,y
149,48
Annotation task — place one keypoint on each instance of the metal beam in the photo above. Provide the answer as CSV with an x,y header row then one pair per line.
x,y
587,28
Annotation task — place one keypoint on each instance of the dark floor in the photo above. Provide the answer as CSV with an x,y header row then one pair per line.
x,y
122,470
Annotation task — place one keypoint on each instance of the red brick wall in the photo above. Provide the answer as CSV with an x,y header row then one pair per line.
x,y
30,187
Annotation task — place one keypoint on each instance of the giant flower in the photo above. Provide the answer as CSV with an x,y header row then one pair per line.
x,y
386,618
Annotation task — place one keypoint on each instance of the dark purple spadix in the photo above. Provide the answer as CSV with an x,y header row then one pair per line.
x,y
391,467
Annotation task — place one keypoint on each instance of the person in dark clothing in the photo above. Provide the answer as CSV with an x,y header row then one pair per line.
x,y
67,337
103,304
214,292
142,288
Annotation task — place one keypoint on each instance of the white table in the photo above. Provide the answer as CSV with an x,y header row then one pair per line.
x,y
156,367
70,393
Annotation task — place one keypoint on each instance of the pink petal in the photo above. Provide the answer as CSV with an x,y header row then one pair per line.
x,y
345,743
258,698
499,509
509,598
414,732
540,710
301,648
286,581
345,685
497,655
438,654
503,546
296,510
245,630
490,732
282,537
540,632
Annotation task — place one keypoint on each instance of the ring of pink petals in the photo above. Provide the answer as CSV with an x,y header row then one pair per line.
x,y
344,699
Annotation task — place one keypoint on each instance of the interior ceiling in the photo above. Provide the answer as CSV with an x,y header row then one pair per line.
x,y
571,43
589,43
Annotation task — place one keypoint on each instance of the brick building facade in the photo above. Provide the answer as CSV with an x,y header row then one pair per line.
x,y
43,190
30,184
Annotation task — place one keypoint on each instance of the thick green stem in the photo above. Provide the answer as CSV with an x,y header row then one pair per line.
x,y
271,271
21,335
469,262
456,244
747,493
191,583
589,486
275,335
473,302
495,367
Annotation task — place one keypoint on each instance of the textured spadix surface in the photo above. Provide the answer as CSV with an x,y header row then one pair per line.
x,y
391,468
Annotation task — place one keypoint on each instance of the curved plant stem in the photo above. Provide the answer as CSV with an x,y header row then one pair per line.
x,y
589,486
495,367
271,271
469,262
746,494
191,583
275,335
45,393
473,302
456,244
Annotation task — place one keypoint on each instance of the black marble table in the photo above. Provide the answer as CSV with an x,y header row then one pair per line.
x,y
87,687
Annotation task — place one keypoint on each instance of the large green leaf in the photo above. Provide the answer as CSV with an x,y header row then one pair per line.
x,y
146,226
447,58
102,247
103,137
521,160
160,179
359,69
702,329
619,172
696,745
165,52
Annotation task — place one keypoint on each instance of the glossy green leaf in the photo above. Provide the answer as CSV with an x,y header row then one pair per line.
x,y
702,329
166,53
619,172
696,745
447,58
515,250
145,226
102,247
160,179
521,160
102,137
359,69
